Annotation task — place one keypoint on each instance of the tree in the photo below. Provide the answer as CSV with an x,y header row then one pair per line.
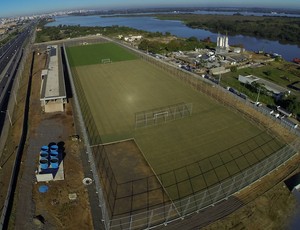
x,y
173,45
233,69
192,39
291,104
207,40
144,44
268,72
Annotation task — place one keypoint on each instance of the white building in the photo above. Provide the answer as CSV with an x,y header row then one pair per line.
x,y
132,38
53,91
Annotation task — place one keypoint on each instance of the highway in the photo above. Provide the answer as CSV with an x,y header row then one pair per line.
x,y
10,55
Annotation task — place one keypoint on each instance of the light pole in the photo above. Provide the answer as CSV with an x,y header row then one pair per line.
x,y
258,95
7,112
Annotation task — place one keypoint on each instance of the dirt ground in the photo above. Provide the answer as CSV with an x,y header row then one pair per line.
x,y
53,209
55,205
133,186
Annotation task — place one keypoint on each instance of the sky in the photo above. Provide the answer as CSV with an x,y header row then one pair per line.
x,y
9,8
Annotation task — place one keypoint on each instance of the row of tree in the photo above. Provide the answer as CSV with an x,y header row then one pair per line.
x,y
49,33
157,46
283,29
151,41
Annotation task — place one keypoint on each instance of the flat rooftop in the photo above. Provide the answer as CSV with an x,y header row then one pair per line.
x,y
272,86
53,86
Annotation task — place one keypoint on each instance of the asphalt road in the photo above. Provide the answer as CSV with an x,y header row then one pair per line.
x,y
10,56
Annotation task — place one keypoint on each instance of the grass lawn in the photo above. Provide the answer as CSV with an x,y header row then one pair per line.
x,y
213,143
281,73
93,54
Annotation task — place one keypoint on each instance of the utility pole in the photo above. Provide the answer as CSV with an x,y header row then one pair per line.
x,y
258,95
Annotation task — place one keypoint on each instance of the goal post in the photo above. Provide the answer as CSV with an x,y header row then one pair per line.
x,y
160,116
106,60
163,114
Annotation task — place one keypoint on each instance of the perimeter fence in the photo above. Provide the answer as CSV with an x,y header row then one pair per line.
x,y
186,185
90,135
211,196
167,211
13,86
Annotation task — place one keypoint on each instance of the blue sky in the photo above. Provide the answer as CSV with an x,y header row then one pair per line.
x,y
24,7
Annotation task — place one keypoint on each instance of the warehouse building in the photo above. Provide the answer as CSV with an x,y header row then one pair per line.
x,y
53,91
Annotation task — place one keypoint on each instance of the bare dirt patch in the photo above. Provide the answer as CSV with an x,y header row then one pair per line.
x,y
130,183
126,155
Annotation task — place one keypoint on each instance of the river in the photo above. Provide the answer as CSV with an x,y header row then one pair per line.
x,y
179,29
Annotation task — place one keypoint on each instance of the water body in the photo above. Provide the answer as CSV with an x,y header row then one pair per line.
x,y
179,29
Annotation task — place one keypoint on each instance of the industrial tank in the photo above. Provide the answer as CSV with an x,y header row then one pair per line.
x,y
44,163
54,163
44,154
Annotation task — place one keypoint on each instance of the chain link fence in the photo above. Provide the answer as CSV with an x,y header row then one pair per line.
x,y
208,197
169,211
90,135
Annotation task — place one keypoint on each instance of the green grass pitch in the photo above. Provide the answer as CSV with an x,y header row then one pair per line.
x,y
188,154
93,54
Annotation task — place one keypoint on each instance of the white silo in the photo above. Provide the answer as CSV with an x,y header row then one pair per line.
x,y
218,41
226,45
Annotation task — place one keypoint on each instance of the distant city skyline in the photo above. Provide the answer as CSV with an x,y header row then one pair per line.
x,y
11,8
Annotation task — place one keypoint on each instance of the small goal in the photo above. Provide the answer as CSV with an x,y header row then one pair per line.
x,y
105,60
162,115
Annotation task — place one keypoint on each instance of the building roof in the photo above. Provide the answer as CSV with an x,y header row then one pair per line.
x,y
53,86
249,79
219,70
270,86
277,89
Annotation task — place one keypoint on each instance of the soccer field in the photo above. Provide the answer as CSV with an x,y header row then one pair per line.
x,y
94,54
187,154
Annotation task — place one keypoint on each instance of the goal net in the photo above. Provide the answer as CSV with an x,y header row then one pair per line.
x,y
160,117
105,60
163,115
